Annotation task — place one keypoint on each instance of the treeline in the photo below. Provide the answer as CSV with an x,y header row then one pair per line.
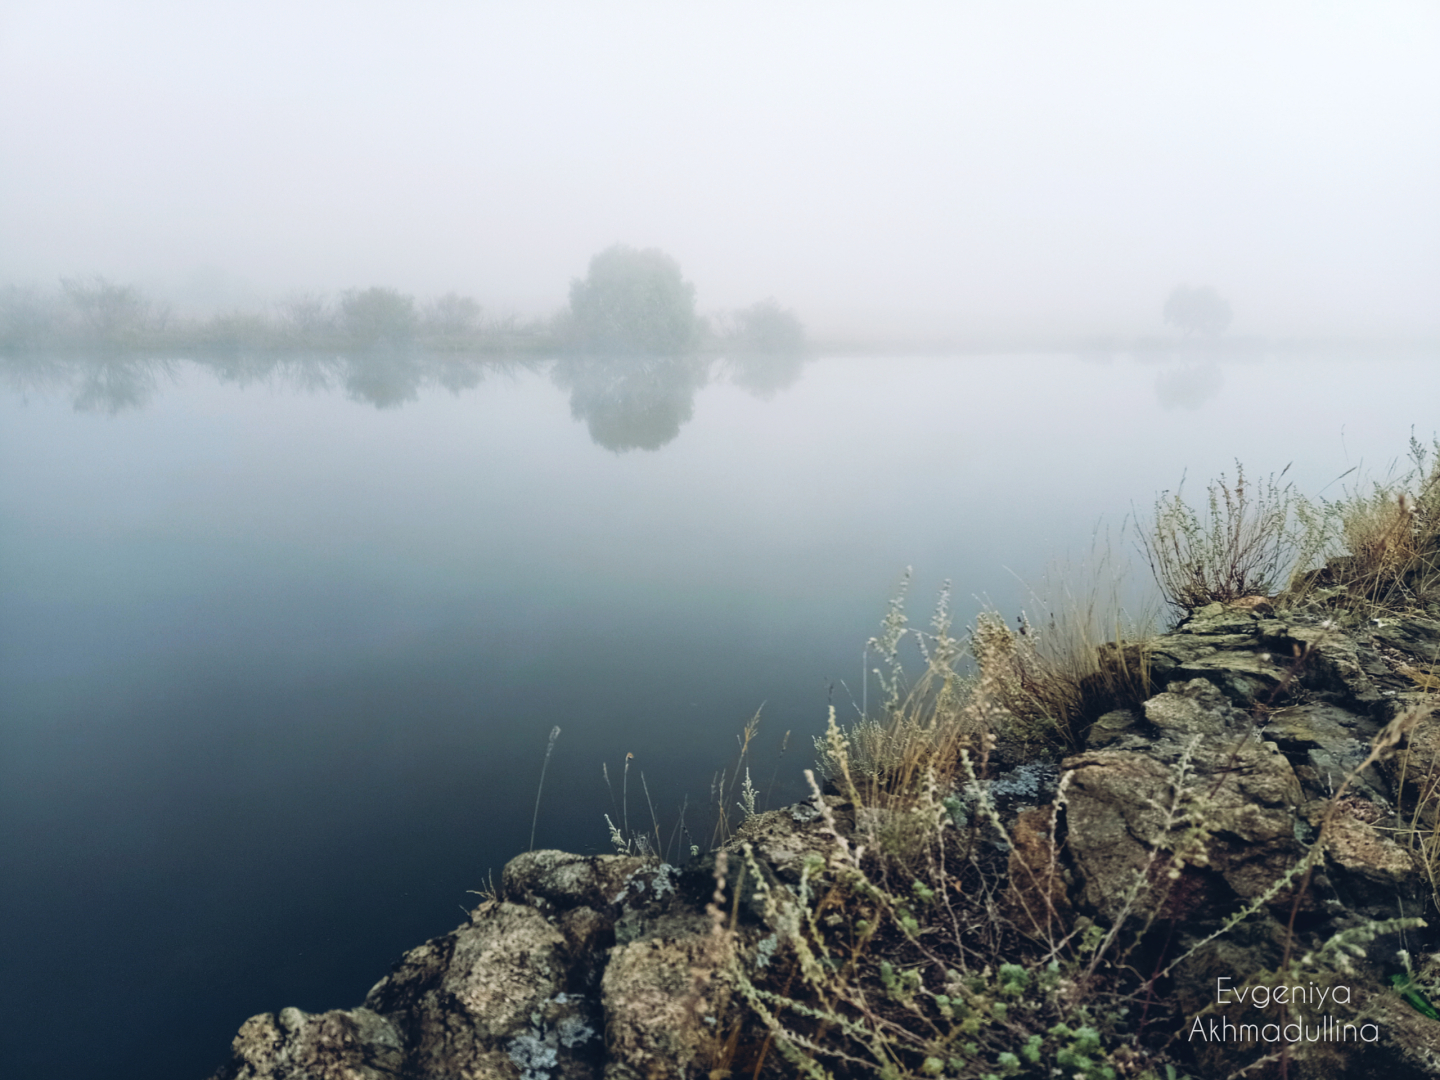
x,y
93,312
631,303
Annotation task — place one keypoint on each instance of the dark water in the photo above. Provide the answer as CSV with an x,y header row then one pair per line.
x,y
277,666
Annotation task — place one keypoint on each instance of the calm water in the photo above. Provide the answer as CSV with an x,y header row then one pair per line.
x,y
277,666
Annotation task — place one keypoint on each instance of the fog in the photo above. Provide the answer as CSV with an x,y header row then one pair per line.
x,y
929,174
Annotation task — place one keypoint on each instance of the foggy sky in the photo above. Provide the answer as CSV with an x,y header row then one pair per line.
x,y
903,172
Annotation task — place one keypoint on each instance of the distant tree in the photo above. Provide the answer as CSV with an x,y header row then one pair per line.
x,y
378,318
1197,311
451,321
117,314
306,320
632,303
764,347
235,333
763,329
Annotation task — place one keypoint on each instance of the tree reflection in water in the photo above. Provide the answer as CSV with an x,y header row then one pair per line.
x,y
632,404
627,403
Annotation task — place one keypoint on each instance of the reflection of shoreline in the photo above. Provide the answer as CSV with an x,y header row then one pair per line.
x,y
101,381
627,403
1142,349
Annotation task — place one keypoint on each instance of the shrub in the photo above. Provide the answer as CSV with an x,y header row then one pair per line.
x,y
452,321
306,320
1243,546
378,317
114,314
763,329
1375,549
764,347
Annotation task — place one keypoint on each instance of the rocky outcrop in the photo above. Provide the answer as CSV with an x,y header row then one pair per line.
x,y
1180,814
607,966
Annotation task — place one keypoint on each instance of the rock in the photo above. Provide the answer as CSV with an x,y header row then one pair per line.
x,y
292,1045
1244,677
783,839
1191,708
666,1001
1114,819
1111,727
556,880
1037,900
1326,744
1128,810
1414,772
584,967
503,992
1416,637
1355,846
1258,605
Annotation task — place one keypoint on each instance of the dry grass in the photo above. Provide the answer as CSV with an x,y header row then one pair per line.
x,y
1387,535
723,796
1079,650
1244,544
1035,687
1053,682
921,724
